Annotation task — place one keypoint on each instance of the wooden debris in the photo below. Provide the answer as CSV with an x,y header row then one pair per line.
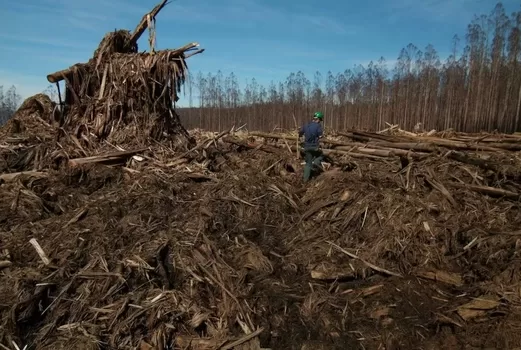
x,y
478,307
441,276
238,142
110,158
4,264
80,215
330,272
490,191
189,342
13,176
243,340
439,186
381,312
365,292
144,23
205,143
372,266
40,251
446,319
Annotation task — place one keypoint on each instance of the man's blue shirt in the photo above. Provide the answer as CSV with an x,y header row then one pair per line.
x,y
312,132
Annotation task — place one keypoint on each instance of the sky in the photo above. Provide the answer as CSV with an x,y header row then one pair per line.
x,y
261,39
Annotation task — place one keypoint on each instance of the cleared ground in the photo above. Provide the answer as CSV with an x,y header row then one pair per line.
x,y
226,248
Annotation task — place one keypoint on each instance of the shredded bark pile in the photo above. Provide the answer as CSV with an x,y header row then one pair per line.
x,y
112,246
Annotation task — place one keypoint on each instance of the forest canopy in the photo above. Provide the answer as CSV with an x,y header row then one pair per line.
x,y
477,87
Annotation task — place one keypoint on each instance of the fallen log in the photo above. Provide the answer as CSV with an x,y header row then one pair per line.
x,y
491,191
367,137
295,138
351,154
491,138
506,170
447,143
410,146
451,144
62,74
384,151
372,151
111,158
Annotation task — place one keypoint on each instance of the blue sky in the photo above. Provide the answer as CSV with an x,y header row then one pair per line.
x,y
265,39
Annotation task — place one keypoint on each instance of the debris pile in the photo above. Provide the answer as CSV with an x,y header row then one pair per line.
x,y
221,246
113,236
121,94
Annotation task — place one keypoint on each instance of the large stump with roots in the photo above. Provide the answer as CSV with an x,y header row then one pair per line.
x,y
121,95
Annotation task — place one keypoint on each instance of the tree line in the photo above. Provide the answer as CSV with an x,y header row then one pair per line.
x,y
9,102
477,88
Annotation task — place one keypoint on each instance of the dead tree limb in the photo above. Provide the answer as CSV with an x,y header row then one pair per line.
x,y
143,24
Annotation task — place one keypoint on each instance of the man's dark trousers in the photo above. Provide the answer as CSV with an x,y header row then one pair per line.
x,y
312,156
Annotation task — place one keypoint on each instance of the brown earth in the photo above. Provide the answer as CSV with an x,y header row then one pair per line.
x,y
198,252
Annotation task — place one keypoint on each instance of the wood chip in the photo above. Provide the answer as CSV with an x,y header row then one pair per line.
x,y
372,266
441,276
381,312
478,307
40,251
5,263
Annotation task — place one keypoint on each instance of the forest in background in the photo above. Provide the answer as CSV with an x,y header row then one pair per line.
x,y
9,102
477,88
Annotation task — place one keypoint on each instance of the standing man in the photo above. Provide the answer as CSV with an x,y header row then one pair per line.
x,y
312,133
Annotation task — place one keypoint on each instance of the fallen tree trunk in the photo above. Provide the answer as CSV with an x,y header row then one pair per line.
x,y
491,191
411,146
327,152
367,137
295,138
506,170
372,151
384,151
64,73
111,158
450,144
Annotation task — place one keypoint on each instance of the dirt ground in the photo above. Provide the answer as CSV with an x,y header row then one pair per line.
x,y
163,253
